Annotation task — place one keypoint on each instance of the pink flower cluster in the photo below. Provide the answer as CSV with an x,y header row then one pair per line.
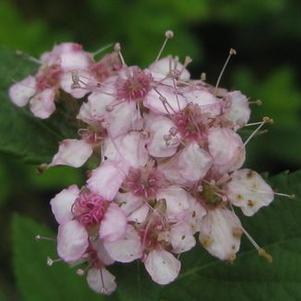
x,y
169,163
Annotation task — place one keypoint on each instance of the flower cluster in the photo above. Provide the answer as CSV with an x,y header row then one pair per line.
x,y
169,170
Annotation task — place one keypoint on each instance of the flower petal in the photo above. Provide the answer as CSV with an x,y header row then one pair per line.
x,y
226,148
101,281
127,248
162,266
61,204
72,152
188,166
72,241
22,91
106,180
249,191
220,233
113,225
42,104
181,237
159,127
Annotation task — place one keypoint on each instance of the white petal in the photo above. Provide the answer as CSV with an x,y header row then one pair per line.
x,y
102,253
106,180
181,237
72,241
220,233
248,190
72,152
126,249
74,60
42,104
176,201
21,91
114,224
101,281
162,266
195,214
61,204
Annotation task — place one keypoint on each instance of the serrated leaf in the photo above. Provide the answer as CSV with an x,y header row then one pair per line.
x,y
35,279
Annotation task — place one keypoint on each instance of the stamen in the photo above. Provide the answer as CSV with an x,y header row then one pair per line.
x,y
51,261
265,120
102,49
261,252
117,48
203,76
290,196
29,57
80,272
257,102
231,52
168,35
39,237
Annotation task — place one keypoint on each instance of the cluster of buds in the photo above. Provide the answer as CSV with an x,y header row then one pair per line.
x,y
169,160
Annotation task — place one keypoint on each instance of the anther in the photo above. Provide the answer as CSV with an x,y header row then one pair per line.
x,y
263,253
80,272
168,35
51,261
203,76
40,237
42,168
117,48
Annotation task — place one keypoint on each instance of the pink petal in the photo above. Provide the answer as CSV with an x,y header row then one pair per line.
x,y
67,83
122,119
22,91
220,233
165,66
208,103
42,104
128,149
74,60
126,249
159,127
188,166
72,152
102,253
113,225
181,237
162,266
249,191
72,241
106,180
226,148
61,204
239,111
174,101
101,281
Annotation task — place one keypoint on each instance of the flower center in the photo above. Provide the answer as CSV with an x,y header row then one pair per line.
x,y
144,182
49,77
191,123
135,86
210,195
89,209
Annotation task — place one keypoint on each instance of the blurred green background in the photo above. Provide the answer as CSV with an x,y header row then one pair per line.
x,y
266,35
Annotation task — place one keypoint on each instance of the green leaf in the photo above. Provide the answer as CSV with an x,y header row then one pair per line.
x,y
35,279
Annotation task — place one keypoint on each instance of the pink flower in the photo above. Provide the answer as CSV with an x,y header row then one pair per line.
x,y
78,213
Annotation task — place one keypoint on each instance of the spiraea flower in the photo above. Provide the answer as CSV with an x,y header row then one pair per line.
x,y
168,174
